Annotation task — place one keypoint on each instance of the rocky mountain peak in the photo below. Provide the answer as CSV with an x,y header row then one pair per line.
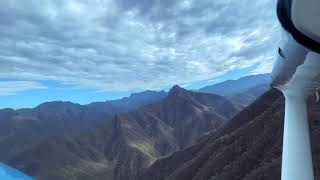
x,y
177,90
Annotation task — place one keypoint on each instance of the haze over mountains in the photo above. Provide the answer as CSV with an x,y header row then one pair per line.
x,y
24,128
244,90
88,51
232,87
117,139
131,141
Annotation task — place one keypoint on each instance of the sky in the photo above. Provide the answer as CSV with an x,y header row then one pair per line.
x,y
96,50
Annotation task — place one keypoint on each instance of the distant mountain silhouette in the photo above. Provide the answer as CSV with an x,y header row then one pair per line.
x,y
250,95
24,128
244,90
248,147
131,142
133,102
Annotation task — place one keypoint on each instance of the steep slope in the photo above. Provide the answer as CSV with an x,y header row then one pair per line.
x,y
131,141
250,87
22,129
248,147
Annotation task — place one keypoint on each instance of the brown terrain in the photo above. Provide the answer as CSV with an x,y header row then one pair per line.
x,y
248,147
125,146
23,129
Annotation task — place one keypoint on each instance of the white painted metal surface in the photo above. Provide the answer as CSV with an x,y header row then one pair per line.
x,y
297,74
296,155
305,16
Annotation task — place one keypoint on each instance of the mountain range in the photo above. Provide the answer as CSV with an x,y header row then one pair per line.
x,y
248,147
22,129
233,87
131,142
244,90
119,139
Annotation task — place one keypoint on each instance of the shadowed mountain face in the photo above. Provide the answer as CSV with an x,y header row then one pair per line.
x,y
22,129
131,142
244,90
248,147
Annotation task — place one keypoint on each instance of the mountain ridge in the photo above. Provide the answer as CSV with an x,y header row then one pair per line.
x,y
248,147
131,141
58,118
232,87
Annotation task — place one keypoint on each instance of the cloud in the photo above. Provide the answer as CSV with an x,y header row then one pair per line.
x,y
13,87
133,45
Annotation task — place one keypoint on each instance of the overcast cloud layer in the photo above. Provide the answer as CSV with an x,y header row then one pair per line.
x,y
133,44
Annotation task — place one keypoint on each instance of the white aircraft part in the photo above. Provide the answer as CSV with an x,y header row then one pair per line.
x,y
292,55
304,79
296,155
305,16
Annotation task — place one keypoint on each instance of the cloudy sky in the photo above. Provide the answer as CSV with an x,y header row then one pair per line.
x,y
93,50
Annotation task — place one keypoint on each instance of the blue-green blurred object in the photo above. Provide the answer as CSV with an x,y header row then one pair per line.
x,y
8,173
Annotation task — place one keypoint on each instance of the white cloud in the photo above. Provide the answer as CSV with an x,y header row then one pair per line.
x,y
263,68
133,45
13,87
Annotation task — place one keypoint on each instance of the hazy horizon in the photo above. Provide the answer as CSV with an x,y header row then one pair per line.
x,y
86,51
93,100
